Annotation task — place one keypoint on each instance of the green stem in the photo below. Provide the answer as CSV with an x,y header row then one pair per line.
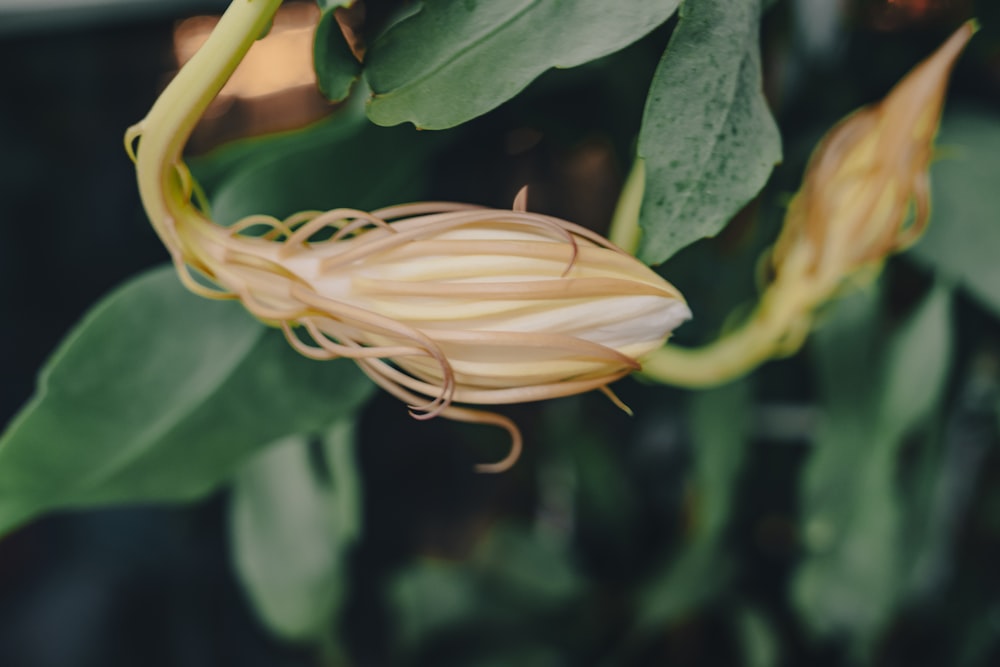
x,y
625,232
166,128
775,329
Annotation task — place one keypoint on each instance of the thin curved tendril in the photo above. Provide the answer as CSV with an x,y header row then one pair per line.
x,y
454,413
357,351
391,327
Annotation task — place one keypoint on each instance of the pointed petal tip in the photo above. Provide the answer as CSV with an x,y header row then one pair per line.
x,y
916,101
953,45
521,200
943,59
677,314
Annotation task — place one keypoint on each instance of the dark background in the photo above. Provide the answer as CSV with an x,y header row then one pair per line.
x,y
154,586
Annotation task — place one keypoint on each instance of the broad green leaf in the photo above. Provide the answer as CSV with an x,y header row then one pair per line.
x,y
877,391
157,396
344,161
452,61
963,239
708,138
719,423
292,526
336,67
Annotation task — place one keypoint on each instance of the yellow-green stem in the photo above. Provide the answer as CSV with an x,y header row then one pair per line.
x,y
625,232
776,328
166,128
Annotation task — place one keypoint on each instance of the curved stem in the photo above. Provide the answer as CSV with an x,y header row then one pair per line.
x,y
770,332
625,232
166,128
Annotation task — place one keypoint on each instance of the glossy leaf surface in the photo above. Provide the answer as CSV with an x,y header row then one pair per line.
x,y
452,61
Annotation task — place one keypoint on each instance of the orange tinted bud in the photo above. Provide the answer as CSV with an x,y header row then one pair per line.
x,y
853,209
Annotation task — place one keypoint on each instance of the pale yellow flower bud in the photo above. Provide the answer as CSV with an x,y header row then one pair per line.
x,y
437,302
443,302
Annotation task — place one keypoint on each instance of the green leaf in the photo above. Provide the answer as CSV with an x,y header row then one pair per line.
x,y
330,5
758,637
336,67
699,573
456,597
708,138
344,161
157,396
719,423
292,528
453,61
877,391
917,366
963,239
513,578
590,475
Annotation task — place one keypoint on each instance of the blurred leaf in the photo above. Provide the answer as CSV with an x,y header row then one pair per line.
x,y
720,421
343,161
432,597
947,476
336,67
850,581
760,641
719,424
852,516
708,138
963,239
533,565
847,352
156,396
584,486
331,5
530,655
512,578
450,62
916,367
699,573
981,640
291,530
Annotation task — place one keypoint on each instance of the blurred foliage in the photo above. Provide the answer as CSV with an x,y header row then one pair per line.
x,y
841,507
857,557
961,245
295,514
